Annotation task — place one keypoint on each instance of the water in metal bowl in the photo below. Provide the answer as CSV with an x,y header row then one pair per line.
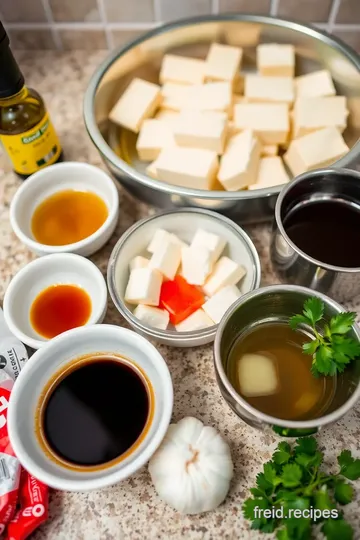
x,y
142,58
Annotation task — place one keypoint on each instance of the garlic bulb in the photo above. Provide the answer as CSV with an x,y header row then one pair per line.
x,y
192,468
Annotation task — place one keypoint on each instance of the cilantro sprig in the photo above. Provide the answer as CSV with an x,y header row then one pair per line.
x,y
331,348
292,480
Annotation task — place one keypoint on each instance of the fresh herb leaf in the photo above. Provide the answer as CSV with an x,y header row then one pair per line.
x,y
343,492
332,350
306,445
342,323
336,529
350,467
291,475
293,481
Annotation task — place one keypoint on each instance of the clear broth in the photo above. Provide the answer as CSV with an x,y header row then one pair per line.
x,y
300,395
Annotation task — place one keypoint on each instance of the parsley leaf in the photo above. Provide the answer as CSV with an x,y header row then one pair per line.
x,y
350,467
333,349
291,475
343,493
336,529
292,482
342,323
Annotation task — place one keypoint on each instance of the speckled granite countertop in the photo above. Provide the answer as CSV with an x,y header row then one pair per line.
x,y
132,510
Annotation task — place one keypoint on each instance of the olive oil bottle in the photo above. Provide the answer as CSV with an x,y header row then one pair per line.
x,y
26,131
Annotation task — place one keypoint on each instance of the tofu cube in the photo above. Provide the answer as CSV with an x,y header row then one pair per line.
x,y
225,272
311,114
269,150
216,96
189,167
200,129
160,237
257,375
153,137
315,150
152,316
222,62
218,304
166,258
181,69
174,97
316,84
196,264
213,242
144,286
240,162
269,122
138,262
197,321
271,173
168,116
139,101
275,60
269,89
151,170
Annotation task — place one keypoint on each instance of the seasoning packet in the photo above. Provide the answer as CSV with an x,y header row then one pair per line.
x,y
23,499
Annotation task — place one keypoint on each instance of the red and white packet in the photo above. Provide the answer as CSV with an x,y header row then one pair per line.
x,y
23,499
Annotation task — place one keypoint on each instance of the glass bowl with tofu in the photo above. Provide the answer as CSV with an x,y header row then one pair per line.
x,y
219,112
173,275
263,373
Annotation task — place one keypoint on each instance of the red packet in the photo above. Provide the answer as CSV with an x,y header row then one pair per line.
x,y
33,500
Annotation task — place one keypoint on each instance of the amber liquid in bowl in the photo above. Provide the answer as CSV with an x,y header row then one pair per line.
x,y
68,217
299,395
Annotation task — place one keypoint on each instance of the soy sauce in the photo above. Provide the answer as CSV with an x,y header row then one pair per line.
x,y
327,231
96,412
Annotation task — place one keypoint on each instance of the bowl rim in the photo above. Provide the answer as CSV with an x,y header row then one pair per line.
x,y
47,171
263,417
109,155
121,473
194,335
97,310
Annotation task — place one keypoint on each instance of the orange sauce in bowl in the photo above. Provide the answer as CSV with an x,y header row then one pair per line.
x,y
59,308
68,217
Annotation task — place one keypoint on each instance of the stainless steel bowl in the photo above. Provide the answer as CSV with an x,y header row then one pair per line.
x,y
279,303
289,262
191,37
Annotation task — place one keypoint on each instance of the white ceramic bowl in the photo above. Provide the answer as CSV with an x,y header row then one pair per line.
x,y
59,268
39,370
59,177
183,223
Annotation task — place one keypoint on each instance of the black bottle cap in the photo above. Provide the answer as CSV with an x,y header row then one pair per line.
x,y
11,78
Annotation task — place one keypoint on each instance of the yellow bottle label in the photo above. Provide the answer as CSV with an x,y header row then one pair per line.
x,y
33,149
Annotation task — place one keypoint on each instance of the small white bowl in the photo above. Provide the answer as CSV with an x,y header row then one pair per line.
x,y
60,177
60,268
183,223
40,369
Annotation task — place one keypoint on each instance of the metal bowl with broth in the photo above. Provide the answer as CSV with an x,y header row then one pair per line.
x,y
275,305
192,37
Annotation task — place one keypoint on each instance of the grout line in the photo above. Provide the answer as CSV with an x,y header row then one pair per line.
x,y
102,13
215,7
333,14
274,7
133,26
157,9
83,25
53,29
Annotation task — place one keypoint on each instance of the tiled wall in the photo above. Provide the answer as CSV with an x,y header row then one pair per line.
x,y
99,24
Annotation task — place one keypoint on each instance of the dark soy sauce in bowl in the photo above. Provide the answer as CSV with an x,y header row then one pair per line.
x,y
326,230
95,411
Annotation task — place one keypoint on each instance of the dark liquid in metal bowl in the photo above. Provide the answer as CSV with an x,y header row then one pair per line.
x,y
327,231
